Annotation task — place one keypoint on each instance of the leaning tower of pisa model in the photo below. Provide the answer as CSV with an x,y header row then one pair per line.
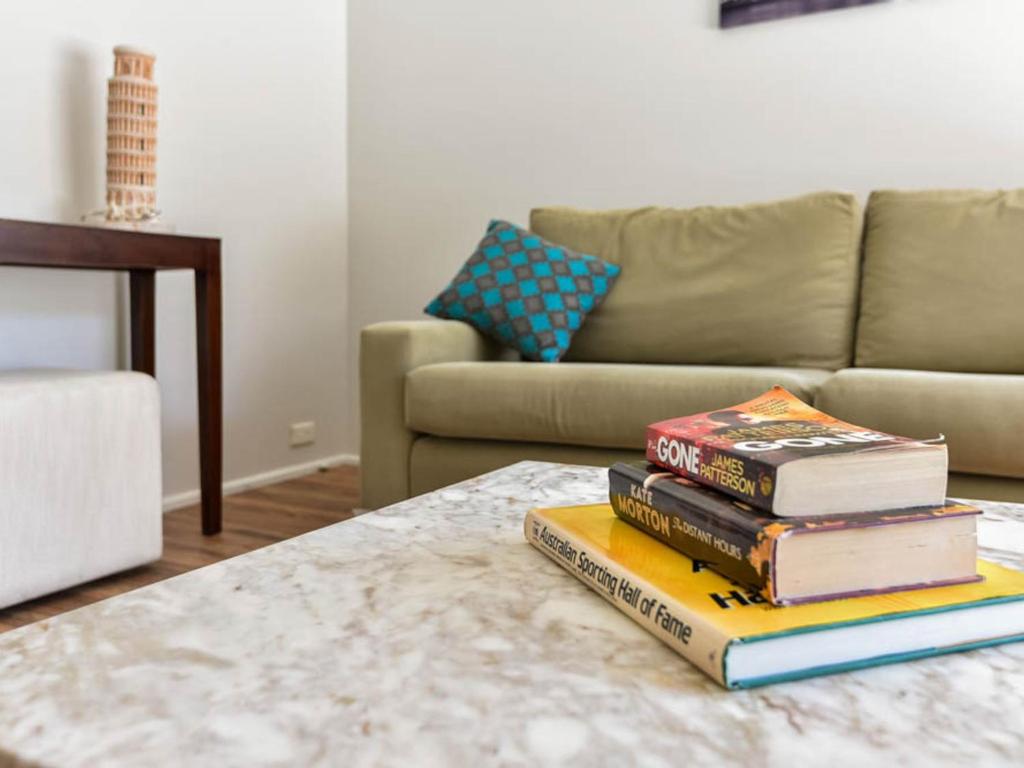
x,y
131,137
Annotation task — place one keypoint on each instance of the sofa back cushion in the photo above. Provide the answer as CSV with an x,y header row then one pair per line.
x,y
768,284
943,283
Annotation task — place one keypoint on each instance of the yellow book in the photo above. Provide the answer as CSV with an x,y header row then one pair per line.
x,y
734,635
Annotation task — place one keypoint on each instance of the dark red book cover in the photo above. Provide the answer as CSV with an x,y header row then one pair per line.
x,y
729,536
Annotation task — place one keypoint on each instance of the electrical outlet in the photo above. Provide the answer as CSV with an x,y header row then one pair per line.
x,y
302,433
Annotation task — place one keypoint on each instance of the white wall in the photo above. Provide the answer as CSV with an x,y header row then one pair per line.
x,y
251,149
463,110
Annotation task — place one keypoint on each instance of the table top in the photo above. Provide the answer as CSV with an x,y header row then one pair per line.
x,y
75,246
431,633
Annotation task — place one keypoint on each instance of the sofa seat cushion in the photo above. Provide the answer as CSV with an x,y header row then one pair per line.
x,y
770,284
596,404
943,282
435,462
981,415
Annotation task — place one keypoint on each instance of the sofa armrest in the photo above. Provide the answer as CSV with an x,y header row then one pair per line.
x,y
387,352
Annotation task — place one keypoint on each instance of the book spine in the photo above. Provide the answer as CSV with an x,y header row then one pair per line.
x,y
686,632
739,476
744,556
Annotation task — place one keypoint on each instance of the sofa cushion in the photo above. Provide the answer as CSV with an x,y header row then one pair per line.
x,y
769,284
527,293
435,462
982,416
943,281
596,404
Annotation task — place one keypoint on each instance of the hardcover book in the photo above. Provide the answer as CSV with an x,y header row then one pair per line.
x,y
738,638
799,559
783,456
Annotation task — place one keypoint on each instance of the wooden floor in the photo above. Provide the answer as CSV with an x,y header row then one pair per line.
x,y
252,519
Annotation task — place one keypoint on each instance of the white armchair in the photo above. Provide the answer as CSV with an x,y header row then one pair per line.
x,y
80,484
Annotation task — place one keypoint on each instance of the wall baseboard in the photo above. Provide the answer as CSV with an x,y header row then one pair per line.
x,y
188,498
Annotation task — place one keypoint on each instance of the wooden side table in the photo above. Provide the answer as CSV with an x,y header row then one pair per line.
x,y
141,255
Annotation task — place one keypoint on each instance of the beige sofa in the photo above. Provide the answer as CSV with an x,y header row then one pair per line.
x,y
907,318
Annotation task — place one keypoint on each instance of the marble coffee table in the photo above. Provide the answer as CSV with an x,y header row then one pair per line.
x,y
431,633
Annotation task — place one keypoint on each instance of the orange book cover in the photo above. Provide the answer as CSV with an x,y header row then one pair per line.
x,y
739,450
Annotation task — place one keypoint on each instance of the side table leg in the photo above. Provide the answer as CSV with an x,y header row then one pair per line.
x,y
208,342
142,284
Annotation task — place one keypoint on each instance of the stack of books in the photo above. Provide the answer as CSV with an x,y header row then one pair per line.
x,y
770,541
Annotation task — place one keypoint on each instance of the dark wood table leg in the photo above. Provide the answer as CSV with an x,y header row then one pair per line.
x,y
143,314
208,342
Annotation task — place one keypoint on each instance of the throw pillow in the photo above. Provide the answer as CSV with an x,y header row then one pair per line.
x,y
526,292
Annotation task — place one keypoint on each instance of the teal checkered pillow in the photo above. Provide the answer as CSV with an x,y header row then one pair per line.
x,y
525,292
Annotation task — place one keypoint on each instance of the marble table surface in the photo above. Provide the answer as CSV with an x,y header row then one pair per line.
x,y
431,633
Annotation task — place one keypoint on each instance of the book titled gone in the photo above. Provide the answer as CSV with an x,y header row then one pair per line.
x,y
783,456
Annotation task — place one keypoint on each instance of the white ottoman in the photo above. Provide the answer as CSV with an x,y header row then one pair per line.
x,y
80,488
